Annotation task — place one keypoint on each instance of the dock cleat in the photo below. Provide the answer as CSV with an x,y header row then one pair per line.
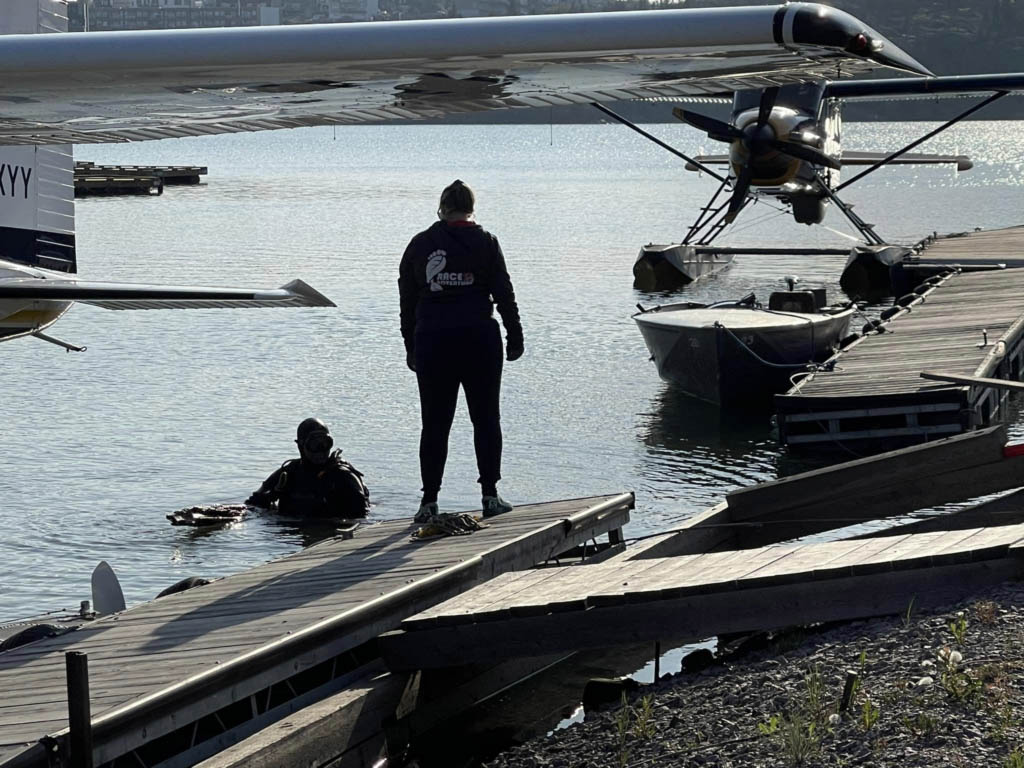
x,y
495,505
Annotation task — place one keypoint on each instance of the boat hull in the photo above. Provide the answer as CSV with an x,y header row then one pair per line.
x,y
730,363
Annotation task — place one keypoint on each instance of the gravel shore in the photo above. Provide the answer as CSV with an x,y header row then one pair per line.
x,y
943,688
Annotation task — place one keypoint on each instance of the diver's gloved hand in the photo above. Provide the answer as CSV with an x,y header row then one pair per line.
x,y
258,499
410,359
513,349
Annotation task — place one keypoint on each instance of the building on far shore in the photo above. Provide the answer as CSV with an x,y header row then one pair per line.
x,y
177,14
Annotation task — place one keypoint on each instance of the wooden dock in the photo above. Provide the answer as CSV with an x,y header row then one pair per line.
x,y
875,399
981,248
691,598
178,679
93,179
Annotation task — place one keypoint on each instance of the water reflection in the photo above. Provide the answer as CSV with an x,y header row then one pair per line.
x,y
295,531
695,451
678,422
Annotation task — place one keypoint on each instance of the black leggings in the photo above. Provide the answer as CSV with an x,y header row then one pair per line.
x,y
471,357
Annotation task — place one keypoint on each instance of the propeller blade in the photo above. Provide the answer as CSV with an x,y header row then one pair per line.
x,y
715,129
739,194
803,152
768,97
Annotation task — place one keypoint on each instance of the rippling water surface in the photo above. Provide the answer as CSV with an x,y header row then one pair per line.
x,y
170,409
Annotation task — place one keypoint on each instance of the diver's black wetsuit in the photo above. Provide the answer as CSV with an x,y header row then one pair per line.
x,y
304,489
446,280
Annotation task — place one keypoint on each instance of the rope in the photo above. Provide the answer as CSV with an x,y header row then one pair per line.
x,y
757,356
448,524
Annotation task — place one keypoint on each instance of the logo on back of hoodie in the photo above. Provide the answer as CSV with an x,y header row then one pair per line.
x,y
438,279
435,263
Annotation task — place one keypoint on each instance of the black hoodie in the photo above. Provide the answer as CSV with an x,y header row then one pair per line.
x,y
447,277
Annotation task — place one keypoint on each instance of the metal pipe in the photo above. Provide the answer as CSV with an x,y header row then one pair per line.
x,y
79,715
596,513
708,211
774,251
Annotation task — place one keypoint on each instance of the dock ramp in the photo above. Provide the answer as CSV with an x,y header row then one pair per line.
x,y
691,598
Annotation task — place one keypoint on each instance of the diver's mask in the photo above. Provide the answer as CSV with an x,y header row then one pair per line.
x,y
316,448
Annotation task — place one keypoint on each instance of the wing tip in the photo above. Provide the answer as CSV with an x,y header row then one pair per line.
x,y
309,295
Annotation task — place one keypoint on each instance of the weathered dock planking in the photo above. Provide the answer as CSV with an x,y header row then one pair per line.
x,y
980,248
691,598
176,680
170,174
875,399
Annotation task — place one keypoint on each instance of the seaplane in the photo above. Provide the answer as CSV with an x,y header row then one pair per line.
x,y
66,89
785,142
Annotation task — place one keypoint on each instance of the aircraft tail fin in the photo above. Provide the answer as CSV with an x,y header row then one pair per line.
x,y
37,207
37,186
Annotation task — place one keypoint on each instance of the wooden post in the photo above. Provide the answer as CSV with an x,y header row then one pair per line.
x,y
657,660
79,715
851,682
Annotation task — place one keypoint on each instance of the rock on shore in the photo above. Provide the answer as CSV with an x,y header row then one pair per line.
x,y
943,688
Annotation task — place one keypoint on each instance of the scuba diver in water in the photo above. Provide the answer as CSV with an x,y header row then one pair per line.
x,y
319,483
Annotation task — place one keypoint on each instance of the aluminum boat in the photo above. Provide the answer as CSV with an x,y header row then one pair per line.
x,y
742,352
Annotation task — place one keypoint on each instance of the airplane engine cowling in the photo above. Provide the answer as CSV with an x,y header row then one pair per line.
x,y
770,167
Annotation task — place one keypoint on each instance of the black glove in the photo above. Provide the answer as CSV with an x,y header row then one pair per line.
x,y
410,359
513,350
258,499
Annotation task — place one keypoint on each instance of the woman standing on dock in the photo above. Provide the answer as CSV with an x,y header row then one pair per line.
x,y
448,276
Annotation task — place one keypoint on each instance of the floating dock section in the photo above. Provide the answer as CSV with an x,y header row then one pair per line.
x,y
92,179
981,248
694,597
176,680
874,398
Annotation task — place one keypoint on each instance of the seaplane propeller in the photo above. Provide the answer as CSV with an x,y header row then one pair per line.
x,y
757,153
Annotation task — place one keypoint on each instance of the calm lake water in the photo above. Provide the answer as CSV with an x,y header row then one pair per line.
x,y
171,409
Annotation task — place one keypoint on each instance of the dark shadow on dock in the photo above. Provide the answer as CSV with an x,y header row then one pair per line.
x,y
293,588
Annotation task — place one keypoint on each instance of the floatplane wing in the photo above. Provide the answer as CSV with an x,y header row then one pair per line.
x,y
129,86
140,296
